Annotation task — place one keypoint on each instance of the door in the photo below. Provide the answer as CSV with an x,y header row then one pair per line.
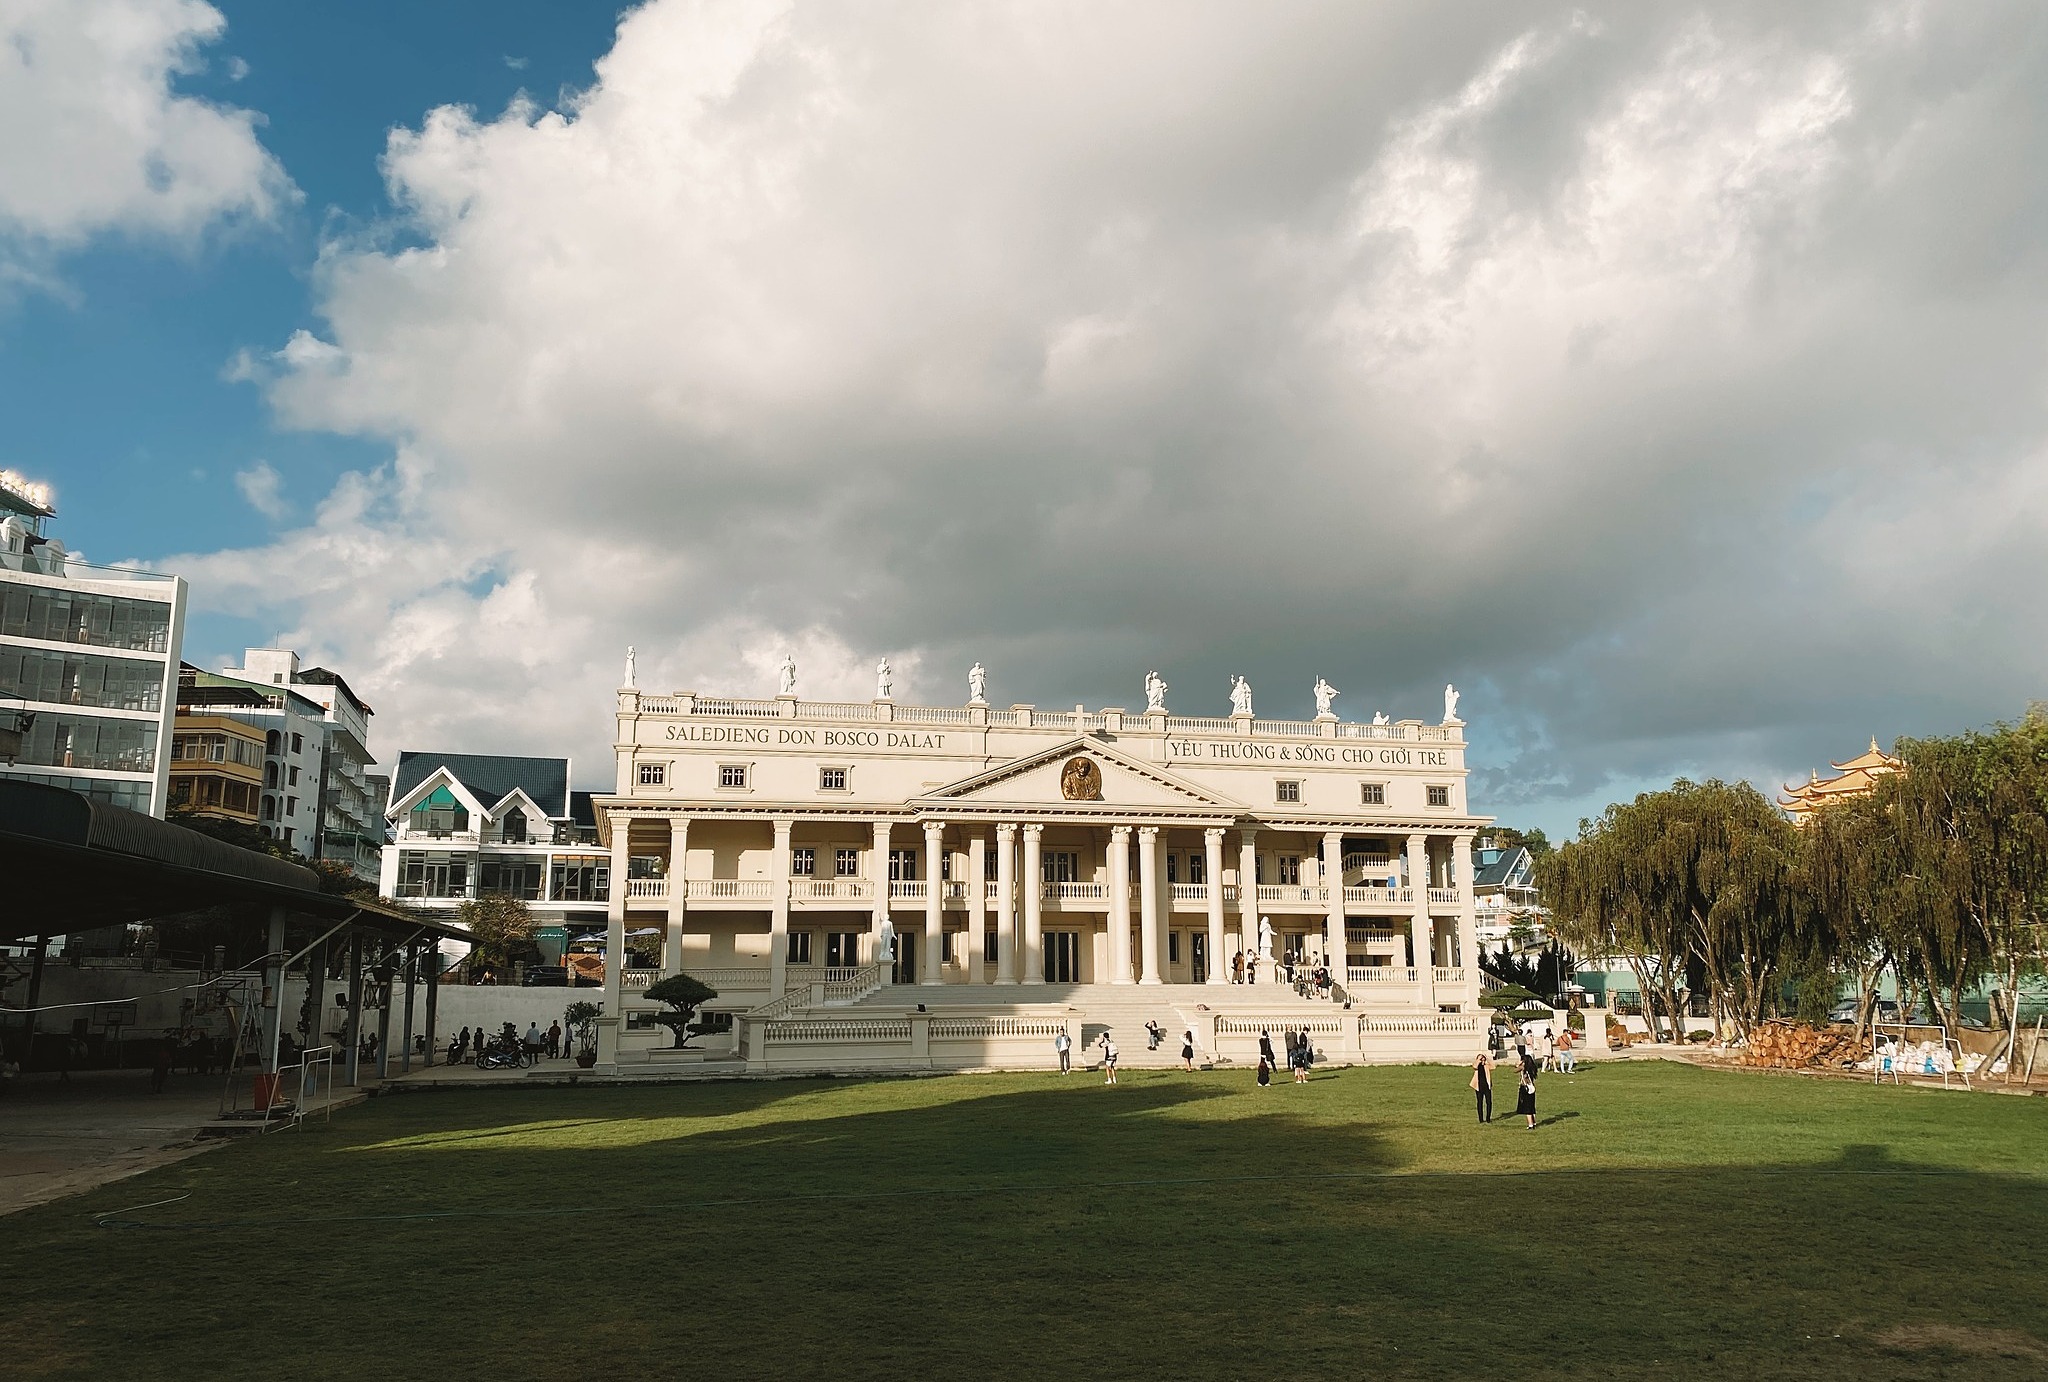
x,y
1062,957
906,957
1198,949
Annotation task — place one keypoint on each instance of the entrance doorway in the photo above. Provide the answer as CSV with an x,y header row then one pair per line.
x,y
905,971
1063,957
1198,950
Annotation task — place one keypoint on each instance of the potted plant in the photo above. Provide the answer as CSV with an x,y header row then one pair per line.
x,y
683,995
582,1018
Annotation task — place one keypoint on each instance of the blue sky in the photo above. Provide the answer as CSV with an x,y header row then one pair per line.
x,y
1667,379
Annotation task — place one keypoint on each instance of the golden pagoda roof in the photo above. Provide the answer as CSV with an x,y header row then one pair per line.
x,y
1856,777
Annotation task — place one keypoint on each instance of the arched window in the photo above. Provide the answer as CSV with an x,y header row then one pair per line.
x,y
270,774
271,741
269,807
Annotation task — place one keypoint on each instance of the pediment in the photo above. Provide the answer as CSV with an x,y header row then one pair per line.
x,y
438,780
1070,775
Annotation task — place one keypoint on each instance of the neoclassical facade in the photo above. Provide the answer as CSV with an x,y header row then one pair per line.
x,y
806,857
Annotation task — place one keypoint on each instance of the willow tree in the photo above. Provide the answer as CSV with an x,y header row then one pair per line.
x,y
1852,870
1702,879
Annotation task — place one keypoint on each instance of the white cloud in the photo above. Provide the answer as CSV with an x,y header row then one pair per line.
x,y
1562,357
94,138
263,488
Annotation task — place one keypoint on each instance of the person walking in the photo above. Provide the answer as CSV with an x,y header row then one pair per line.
x,y
1567,1052
1187,1050
1482,1085
1548,1047
1266,1050
1108,1059
1064,1045
1525,1100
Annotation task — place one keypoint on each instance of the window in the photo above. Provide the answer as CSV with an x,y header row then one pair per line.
x,y
842,949
846,863
512,830
1372,794
799,947
294,780
271,741
64,741
269,808
298,743
584,878
902,866
831,779
291,806
1172,868
433,875
802,864
1290,870
1439,796
1198,868
1173,947
439,814
519,876
946,946
1287,790
653,774
1059,866
989,941
732,776
33,674
71,616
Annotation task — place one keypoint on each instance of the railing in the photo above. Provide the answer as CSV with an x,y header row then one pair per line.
x,y
1055,719
1443,895
1450,974
1252,1026
1300,729
833,710
631,979
1441,1022
1190,892
1293,892
1230,892
730,890
901,890
956,1027
990,888
838,1029
743,710
1385,896
1379,974
646,887
932,715
835,889
729,979
1073,892
1199,725
1365,935
1355,863
857,984
660,705
955,891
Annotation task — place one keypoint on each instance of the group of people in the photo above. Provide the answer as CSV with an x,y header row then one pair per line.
x,y
1301,1054
1306,979
537,1044
1531,1060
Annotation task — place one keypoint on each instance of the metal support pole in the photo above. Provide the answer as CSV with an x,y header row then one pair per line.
x,y
354,1025
273,979
389,972
35,998
412,955
432,955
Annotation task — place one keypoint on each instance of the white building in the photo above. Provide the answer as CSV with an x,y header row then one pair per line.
x,y
883,884
348,822
466,825
88,663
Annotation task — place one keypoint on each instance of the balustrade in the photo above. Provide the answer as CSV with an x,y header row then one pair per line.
x,y
1379,896
1190,892
730,890
647,888
1444,895
1310,893
1365,935
1073,892
834,889
906,890
1379,974
1450,974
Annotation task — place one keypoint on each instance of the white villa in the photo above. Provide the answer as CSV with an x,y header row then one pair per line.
x,y
877,885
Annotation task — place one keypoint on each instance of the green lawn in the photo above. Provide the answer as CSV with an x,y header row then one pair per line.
x,y
1663,1222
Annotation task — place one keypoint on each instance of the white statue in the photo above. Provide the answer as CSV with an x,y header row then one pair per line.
x,y
885,944
1450,704
788,675
1379,717
883,673
1266,939
1325,693
1155,692
1240,696
977,685
629,682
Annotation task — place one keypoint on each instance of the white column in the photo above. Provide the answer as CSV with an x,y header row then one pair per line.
x,y
678,894
1148,904
977,905
1034,908
1248,891
878,870
1335,949
1419,926
1212,869
612,1026
778,910
1119,904
934,902
1468,921
1006,904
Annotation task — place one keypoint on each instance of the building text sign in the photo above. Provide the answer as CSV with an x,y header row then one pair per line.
x,y
1329,755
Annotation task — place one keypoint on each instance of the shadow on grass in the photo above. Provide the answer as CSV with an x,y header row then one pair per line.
x,y
1019,1227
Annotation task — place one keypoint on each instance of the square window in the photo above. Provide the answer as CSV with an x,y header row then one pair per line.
x,y
653,774
846,863
799,947
1439,796
831,779
732,775
989,941
1290,870
1287,790
1372,793
803,862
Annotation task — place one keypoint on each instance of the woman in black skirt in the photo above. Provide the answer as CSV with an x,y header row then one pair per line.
x,y
1482,1085
1187,1049
1525,1102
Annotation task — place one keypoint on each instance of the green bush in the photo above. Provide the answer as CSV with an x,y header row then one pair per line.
x,y
1508,996
1575,1020
1699,1037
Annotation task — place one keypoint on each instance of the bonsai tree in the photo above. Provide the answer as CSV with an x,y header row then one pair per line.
x,y
683,995
582,1019
1507,996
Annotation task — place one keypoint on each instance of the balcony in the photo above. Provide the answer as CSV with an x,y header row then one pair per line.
x,y
1060,894
1368,935
1296,894
1190,892
832,890
730,890
1379,897
1450,974
906,890
1382,975
646,889
1444,897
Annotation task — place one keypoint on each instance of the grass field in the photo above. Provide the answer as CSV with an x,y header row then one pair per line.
x,y
1664,1221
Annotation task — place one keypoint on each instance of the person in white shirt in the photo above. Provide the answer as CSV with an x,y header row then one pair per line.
x,y
1064,1044
1108,1059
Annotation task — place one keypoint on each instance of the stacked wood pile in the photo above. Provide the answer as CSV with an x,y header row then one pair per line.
x,y
1795,1046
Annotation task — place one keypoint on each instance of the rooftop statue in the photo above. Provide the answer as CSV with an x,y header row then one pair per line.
x,y
1155,692
1325,693
883,679
977,685
1379,717
1240,696
629,682
787,682
1450,703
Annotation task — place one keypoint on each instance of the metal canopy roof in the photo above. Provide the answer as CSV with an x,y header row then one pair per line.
x,y
71,864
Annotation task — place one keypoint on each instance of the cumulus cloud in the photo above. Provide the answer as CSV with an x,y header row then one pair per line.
x,y
263,488
1671,379
95,139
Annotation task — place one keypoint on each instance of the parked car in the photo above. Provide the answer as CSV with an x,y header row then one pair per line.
x,y
547,977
